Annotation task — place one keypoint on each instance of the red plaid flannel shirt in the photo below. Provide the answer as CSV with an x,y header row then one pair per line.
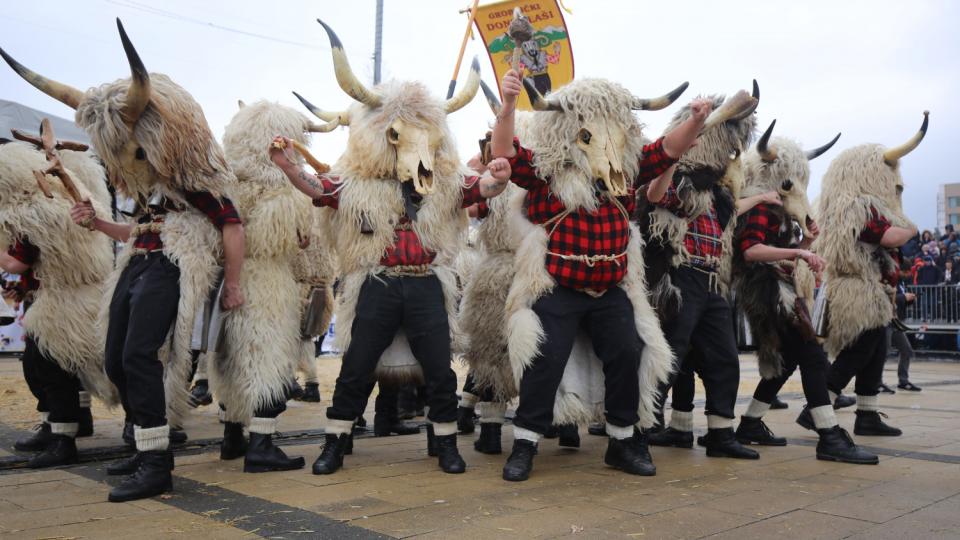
x,y
702,240
872,233
407,250
220,212
605,231
762,227
27,253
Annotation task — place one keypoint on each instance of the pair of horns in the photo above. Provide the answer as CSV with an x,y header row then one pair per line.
x,y
311,127
540,103
350,84
138,94
769,153
736,108
893,155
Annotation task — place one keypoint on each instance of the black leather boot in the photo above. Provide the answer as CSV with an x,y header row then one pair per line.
x,y
448,455
431,441
384,426
125,466
836,445
200,394
489,440
311,393
234,444
631,455
597,430
869,424
263,456
465,423
152,478
520,462
755,431
842,402
569,435
805,419
777,403
295,391
85,423
723,443
177,436
671,437
127,435
61,450
331,456
37,441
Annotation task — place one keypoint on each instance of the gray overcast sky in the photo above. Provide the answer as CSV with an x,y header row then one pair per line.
x,y
866,68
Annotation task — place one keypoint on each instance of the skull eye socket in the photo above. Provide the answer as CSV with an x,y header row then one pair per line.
x,y
787,185
899,189
735,154
584,135
140,154
393,136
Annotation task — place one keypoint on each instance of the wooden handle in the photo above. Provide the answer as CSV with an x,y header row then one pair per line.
x,y
317,165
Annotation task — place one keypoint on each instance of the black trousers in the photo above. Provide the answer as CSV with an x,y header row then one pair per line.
x,y
386,402
810,357
705,323
142,310
609,322
385,305
56,390
900,340
862,359
684,385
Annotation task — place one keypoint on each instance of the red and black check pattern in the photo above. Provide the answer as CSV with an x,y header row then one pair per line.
x,y
605,231
27,253
220,212
407,250
874,228
762,226
703,233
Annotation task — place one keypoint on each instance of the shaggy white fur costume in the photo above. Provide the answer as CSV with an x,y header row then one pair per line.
x,y
314,267
551,136
74,262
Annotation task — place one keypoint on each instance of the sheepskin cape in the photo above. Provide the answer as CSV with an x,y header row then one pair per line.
x,y
178,153
262,337
370,192
73,264
314,268
857,299
551,136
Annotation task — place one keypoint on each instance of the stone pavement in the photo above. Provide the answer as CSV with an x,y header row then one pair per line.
x,y
390,488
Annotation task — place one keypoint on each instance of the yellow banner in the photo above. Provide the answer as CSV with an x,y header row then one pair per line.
x,y
547,59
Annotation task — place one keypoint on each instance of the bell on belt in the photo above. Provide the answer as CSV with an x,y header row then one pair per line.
x,y
312,322
208,322
821,319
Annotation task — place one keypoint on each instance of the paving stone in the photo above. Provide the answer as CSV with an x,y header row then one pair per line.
x,y
554,520
680,523
796,524
101,511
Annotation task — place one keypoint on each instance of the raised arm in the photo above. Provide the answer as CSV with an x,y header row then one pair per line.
x,y
503,130
307,183
895,237
83,213
684,136
658,187
745,204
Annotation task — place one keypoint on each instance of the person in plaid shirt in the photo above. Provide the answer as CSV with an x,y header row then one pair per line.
x,y
586,258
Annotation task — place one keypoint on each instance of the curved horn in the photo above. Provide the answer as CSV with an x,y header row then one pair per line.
x,y
537,101
661,102
469,90
493,100
892,155
756,101
767,154
241,104
733,108
138,94
345,77
63,93
323,128
817,152
327,116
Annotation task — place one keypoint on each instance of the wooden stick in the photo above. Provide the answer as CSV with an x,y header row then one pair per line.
x,y
463,47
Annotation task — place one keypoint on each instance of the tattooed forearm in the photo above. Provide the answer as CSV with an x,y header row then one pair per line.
x,y
311,181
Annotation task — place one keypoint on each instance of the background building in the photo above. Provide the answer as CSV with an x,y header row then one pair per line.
x,y
948,205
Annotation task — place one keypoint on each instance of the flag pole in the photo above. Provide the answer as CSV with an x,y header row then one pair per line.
x,y
463,47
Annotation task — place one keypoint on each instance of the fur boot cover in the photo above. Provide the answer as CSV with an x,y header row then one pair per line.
x,y
73,264
261,345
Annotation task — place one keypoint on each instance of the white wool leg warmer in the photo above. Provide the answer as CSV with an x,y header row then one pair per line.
x,y
64,428
681,420
526,434
617,432
823,416
84,399
468,400
756,409
339,427
263,426
442,429
152,439
718,422
493,412
868,403
833,396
